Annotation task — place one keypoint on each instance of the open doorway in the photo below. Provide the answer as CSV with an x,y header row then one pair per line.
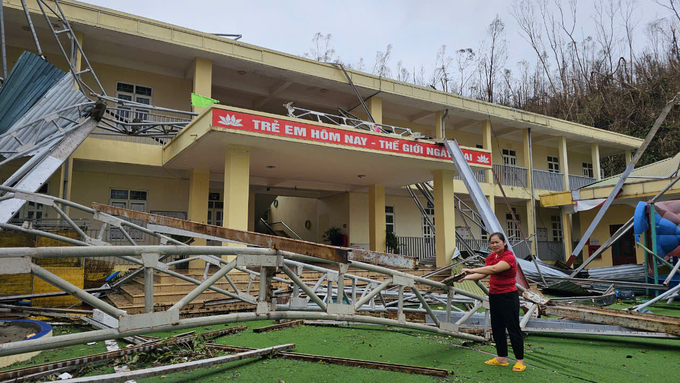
x,y
623,250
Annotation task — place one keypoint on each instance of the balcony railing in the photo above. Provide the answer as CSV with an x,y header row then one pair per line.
x,y
416,247
548,180
479,175
511,175
577,182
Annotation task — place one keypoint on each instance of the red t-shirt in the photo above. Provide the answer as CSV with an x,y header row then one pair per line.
x,y
504,282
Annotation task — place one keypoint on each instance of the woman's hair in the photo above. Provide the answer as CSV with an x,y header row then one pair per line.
x,y
500,236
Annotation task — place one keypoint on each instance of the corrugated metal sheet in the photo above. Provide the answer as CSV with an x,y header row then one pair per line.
x,y
29,80
631,273
529,269
664,168
61,95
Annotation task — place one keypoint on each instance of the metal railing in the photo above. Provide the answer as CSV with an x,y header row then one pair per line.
x,y
288,230
139,125
511,175
550,251
416,247
577,182
545,180
480,176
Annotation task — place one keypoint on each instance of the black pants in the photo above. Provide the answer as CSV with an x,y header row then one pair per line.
x,y
505,316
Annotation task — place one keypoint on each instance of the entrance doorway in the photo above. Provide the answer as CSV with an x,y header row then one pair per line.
x,y
623,250
215,208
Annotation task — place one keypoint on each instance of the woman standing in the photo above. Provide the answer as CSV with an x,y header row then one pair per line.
x,y
503,300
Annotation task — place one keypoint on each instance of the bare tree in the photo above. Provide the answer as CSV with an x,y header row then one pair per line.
x,y
465,58
382,59
440,76
402,73
493,60
322,48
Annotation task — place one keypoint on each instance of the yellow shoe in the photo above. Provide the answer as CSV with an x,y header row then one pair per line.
x,y
495,362
519,367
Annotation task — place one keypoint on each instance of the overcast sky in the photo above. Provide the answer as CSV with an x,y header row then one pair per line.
x,y
417,29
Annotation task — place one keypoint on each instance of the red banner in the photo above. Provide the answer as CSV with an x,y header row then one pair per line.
x,y
285,128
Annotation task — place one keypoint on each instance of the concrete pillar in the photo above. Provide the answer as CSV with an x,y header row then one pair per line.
x,y
486,144
564,161
595,154
376,218
629,157
438,132
375,107
525,147
566,233
202,79
236,189
199,188
66,182
444,216
531,226
78,59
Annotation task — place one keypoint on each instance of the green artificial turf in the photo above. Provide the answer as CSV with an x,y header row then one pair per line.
x,y
550,358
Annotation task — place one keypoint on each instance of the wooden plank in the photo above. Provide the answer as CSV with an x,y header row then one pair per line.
x,y
327,252
623,318
279,326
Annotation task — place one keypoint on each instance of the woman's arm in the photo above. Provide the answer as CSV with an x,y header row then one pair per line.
x,y
473,277
488,270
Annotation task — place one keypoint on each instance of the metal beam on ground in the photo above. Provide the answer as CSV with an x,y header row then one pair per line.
x,y
188,366
345,361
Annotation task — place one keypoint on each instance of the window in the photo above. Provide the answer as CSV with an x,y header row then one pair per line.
x,y
553,164
479,146
136,93
427,230
587,170
389,219
35,211
128,199
509,157
512,226
485,235
556,228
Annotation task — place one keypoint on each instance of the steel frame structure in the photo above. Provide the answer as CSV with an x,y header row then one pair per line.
x,y
345,296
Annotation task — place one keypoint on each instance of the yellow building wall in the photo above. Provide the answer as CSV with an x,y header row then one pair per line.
x,y
615,215
334,211
168,92
170,194
294,211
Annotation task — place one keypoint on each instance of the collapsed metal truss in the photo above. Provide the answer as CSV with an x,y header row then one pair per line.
x,y
343,297
347,120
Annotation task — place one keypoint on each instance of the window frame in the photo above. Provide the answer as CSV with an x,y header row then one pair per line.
x,y
556,228
509,157
127,203
35,208
553,164
427,231
135,112
587,169
393,224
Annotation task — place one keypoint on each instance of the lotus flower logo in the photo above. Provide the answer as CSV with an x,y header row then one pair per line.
x,y
229,120
483,158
